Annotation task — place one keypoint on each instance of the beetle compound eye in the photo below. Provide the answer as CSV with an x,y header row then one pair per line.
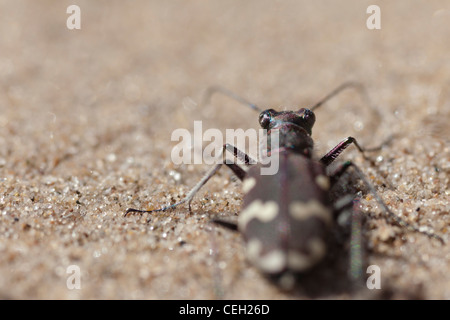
x,y
309,116
264,119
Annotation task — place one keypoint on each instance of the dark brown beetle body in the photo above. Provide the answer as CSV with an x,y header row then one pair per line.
x,y
286,216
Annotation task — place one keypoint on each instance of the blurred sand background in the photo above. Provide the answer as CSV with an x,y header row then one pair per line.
x,y
86,118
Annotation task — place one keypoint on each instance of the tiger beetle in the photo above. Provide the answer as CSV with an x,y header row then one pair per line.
x,y
286,218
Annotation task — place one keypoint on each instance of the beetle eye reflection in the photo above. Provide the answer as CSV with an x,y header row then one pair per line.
x,y
307,115
264,119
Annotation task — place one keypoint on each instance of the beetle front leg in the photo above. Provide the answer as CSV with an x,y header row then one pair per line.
x,y
240,173
341,146
336,151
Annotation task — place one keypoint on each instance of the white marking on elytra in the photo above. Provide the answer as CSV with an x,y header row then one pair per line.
x,y
277,260
254,248
264,212
313,208
323,182
272,262
300,262
248,184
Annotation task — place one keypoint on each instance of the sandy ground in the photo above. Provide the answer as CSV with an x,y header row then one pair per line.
x,y
87,115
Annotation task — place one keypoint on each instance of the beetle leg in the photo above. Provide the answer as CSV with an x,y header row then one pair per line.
x,y
388,213
341,146
356,246
240,173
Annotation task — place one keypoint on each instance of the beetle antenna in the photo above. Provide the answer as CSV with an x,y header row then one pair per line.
x,y
214,89
355,85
